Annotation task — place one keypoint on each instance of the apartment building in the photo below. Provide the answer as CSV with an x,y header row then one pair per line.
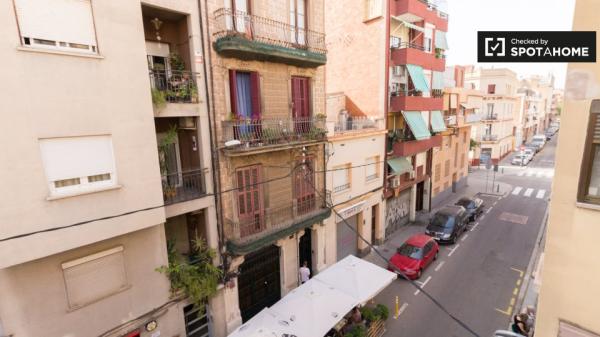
x,y
415,80
565,309
496,134
557,104
356,124
268,113
462,114
110,160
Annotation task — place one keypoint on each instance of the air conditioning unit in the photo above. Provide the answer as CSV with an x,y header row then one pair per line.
x,y
395,182
187,123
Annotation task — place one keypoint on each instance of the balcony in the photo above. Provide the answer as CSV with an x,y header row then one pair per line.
x,y
274,223
182,186
489,138
417,10
407,148
473,118
357,124
405,100
252,37
411,53
267,134
490,117
174,86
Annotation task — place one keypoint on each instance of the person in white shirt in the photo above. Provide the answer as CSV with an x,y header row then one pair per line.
x,y
304,273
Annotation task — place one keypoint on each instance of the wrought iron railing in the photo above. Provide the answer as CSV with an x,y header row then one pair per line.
x,y
489,138
274,219
402,92
182,186
396,43
252,133
268,31
358,123
433,6
437,93
174,86
490,116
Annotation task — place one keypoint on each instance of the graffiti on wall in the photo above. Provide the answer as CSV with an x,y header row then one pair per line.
x,y
397,209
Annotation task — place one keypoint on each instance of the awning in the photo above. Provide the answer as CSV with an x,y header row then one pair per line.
x,y
468,106
440,40
438,80
417,124
409,25
400,165
357,278
264,324
437,121
418,78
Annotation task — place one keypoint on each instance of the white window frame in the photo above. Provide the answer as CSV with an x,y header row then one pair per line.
x,y
373,9
372,163
345,186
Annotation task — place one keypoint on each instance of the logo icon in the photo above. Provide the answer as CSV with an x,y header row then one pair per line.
x,y
495,46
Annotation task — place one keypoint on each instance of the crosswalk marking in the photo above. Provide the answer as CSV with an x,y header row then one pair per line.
x,y
517,190
529,173
540,194
522,173
528,192
539,174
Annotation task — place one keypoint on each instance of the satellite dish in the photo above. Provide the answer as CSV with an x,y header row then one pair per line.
x,y
233,142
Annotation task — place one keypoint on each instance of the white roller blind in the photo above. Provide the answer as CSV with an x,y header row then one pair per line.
x,y
73,157
340,177
94,277
371,168
67,21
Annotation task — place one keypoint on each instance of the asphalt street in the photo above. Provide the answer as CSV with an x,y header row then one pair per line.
x,y
478,278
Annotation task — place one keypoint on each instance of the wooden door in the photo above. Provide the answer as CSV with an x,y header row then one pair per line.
x,y
304,186
250,202
300,104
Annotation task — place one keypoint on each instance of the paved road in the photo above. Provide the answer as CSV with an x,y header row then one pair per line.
x,y
477,279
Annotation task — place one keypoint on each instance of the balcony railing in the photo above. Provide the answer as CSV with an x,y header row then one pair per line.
x,y
256,133
273,220
472,118
267,31
182,186
490,117
396,43
489,138
357,124
433,6
174,86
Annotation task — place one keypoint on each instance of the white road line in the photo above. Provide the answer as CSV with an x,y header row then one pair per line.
x,y
529,174
402,308
439,265
517,190
528,192
540,194
539,174
474,226
453,250
495,202
522,173
422,284
464,237
489,209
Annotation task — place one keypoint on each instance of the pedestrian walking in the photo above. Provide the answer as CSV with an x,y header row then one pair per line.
x,y
304,272
520,324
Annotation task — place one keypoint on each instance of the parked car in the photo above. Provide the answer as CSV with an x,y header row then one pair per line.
x,y
414,255
539,140
473,206
520,159
448,224
530,152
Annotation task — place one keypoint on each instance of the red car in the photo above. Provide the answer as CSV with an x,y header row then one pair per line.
x,y
414,255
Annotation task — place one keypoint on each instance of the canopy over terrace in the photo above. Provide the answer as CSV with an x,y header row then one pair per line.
x,y
315,307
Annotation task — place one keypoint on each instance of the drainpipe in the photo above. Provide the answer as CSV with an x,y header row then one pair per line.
x,y
386,91
216,176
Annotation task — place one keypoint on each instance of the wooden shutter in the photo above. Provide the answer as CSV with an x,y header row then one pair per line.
x,y
233,91
255,93
304,189
250,203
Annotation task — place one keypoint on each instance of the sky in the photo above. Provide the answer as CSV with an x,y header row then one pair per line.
x,y
469,16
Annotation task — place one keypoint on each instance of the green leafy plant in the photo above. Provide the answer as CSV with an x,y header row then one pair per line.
x,y
163,147
270,135
176,62
381,311
439,53
159,98
473,144
357,331
368,314
198,277
316,133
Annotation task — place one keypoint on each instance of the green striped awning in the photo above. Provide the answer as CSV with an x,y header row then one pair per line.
x,y
437,121
400,165
440,40
417,124
438,80
418,78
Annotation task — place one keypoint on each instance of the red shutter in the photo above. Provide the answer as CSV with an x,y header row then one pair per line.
x,y
233,91
250,203
255,93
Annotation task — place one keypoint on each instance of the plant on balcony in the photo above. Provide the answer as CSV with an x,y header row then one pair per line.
x,y
357,331
439,53
196,279
163,148
316,133
269,135
159,98
393,136
473,144
176,62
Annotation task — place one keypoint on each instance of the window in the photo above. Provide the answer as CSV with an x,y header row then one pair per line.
x,y
456,154
341,178
57,24
94,277
428,40
438,172
373,9
244,92
568,330
298,21
78,165
490,109
491,89
372,168
250,200
589,181
304,185
447,168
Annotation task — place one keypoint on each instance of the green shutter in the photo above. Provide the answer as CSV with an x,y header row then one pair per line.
x,y
400,165
437,121
440,40
418,78
417,124
438,80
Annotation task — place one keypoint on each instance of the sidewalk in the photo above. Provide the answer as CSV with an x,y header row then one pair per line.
x,y
476,184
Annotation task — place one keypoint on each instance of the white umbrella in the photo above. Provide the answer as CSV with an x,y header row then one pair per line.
x,y
314,308
356,277
264,324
